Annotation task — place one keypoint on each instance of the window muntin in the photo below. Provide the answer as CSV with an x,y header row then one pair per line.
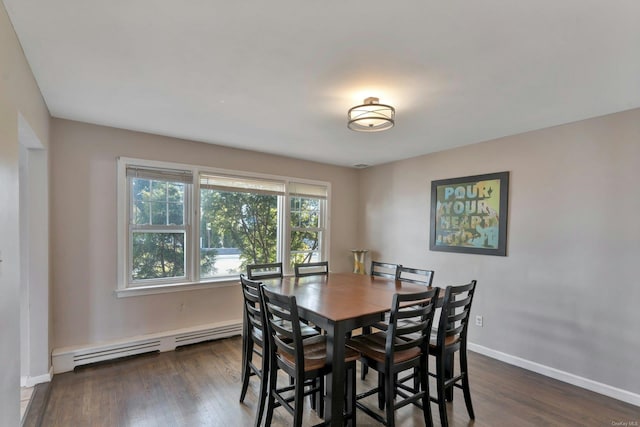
x,y
174,233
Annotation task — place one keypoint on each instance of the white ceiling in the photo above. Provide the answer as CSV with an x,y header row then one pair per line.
x,y
279,76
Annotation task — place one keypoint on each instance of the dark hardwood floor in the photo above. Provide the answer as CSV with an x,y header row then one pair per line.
x,y
199,385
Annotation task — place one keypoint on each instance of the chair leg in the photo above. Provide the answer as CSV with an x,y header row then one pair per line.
x,y
442,401
264,381
381,390
465,383
314,397
271,400
364,371
449,373
390,387
320,397
424,384
247,353
298,402
366,330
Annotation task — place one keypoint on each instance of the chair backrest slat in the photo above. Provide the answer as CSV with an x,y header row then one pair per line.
x,y
270,270
312,269
384,269
415,275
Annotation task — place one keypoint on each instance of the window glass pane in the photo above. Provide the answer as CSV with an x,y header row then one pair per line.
x,y
158,213
175,192
176,213
236,229
305,212
158,191
157,255
305,247
140,212
157,202
140,189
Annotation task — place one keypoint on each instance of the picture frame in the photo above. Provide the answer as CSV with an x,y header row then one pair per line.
x,y
469,214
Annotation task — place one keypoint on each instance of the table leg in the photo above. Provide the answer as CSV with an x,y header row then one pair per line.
x,y
336,380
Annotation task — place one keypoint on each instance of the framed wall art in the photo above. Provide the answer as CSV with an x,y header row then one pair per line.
x,y
469,214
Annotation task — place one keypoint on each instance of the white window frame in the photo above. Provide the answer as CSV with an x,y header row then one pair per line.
x,y
192,278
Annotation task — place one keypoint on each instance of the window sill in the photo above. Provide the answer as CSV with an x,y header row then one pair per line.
x,y
135,291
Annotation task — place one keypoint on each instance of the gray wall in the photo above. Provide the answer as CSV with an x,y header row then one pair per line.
x,y
19,96
83,231
567,294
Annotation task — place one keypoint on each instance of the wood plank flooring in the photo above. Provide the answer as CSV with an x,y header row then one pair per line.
x,y
199,385
25,398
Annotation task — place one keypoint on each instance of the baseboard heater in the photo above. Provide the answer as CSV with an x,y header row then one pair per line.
x,y
67,358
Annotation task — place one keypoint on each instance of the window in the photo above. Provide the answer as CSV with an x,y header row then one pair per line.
x,y
187,225
307,216
157,227
239,220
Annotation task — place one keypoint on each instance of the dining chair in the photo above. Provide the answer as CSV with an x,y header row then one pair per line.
x,y
254,337
305,360
414,275
254,342
384,269
417,276
379,269
271,270
404,345
404,274
312,269
452,337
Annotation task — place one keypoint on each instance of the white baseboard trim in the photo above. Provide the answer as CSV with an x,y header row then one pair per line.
x,y
67,358
39,379
607,390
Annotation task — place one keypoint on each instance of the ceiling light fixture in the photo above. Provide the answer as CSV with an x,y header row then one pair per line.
x,y
371,116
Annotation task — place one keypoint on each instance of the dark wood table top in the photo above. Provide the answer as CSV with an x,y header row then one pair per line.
x,y
341,296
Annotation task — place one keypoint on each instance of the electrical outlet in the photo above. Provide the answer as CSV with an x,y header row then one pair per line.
x,y
479,321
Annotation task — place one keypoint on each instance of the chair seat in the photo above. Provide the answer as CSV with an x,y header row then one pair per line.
x,y
315,354
447,341
384,325
305,330
373,347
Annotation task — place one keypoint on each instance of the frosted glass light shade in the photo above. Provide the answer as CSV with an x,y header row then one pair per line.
x,y
371,116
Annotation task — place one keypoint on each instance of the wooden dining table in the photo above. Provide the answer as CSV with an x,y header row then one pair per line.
x,y
339,303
